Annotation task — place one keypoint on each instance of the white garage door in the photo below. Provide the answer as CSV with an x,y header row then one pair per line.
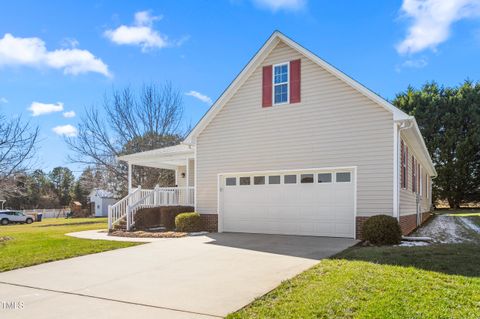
x,y
316,203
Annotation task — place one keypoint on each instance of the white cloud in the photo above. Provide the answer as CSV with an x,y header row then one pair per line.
x,y
66,130
200,96
69,114
412,64
70,43
3,100
33,52
141,33
276,5
431,21
38,108
415,63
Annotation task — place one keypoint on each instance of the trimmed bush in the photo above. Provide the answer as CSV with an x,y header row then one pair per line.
x,y
188,222
159,216
382,230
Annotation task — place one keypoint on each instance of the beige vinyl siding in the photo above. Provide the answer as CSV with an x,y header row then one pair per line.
x,y
182,182
333,126
407,196
191,174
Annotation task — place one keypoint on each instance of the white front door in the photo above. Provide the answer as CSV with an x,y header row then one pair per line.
x,y
310,202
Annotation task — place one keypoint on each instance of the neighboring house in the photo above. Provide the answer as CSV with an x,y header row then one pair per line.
x,y
294,146
100,200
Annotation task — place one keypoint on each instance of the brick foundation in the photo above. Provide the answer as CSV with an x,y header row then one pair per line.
x,y
360,221
209,222
408,223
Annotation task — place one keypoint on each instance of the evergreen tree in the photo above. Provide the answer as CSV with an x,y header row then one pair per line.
x,y
62,181
449,119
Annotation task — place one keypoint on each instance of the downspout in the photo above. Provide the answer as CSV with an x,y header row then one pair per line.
x,y
403,125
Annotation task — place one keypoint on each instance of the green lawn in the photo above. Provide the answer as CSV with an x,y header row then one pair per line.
x,y
45,241
437,281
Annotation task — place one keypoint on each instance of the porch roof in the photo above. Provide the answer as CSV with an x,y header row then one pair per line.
x,y
167,157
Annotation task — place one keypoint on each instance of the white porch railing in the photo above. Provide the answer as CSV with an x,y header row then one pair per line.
x,y
148,198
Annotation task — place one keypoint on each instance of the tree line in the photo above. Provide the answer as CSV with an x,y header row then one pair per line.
x,y
55,189
130,121
449,119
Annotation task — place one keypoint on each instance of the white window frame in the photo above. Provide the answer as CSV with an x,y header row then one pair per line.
x,y
332,177
267,181
296,179
349,172
276,84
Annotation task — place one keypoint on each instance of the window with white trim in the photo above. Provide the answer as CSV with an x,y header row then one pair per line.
x,y
290,179
324,178
259,180
244,180
274,179
230,181
306,178
343,177
280,83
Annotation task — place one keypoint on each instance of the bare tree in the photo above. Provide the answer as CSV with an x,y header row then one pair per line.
x,y
129,123
17,148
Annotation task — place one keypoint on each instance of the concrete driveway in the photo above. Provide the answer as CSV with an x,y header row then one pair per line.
x,y
192,277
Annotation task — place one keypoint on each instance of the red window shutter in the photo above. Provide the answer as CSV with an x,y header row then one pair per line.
x,y
406,167
402,163
413,174
295,81
418,177
267,86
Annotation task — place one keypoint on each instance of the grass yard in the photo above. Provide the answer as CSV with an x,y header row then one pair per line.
x,y
437,281
45,241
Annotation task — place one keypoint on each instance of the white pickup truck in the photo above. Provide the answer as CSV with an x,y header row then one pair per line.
x,y
12,216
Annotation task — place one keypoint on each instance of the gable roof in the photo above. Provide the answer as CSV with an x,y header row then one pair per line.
x,y
259,57
257,60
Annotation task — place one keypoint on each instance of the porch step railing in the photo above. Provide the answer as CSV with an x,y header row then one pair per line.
x,y
126,208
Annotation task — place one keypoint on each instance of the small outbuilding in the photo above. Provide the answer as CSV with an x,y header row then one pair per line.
x,y
100,200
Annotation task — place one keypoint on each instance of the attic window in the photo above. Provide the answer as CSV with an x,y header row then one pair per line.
x,y
280,83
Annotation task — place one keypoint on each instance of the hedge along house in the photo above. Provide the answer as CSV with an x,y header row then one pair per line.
x,y
294,146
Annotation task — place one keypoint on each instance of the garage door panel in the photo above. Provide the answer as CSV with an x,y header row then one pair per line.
x,y
318,209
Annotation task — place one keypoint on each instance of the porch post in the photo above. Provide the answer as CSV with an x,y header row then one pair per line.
x,y
188,173
129,178
187,190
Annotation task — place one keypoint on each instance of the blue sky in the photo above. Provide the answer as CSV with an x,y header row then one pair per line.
x,y
63,56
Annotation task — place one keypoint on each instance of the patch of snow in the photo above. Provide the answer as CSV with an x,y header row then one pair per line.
x,y
413,244
416,238
199,233
444,229
468,222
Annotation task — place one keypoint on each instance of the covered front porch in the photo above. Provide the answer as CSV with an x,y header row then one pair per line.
x,y
180,159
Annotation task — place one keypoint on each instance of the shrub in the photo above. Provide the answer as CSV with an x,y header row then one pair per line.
x,y
382,230
188,222
159,216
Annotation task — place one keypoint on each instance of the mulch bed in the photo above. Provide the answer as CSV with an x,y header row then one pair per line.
x,y
146,234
